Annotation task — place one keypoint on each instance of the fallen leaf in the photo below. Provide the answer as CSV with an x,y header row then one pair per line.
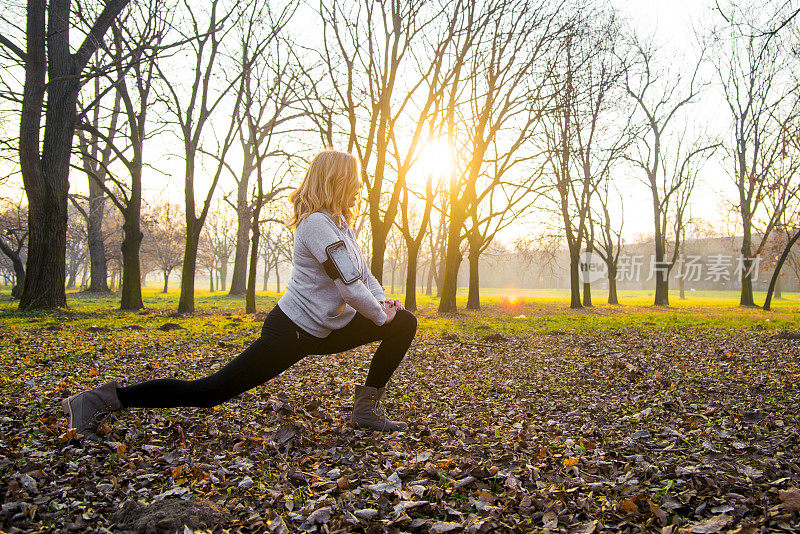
x,y
709,526
790,499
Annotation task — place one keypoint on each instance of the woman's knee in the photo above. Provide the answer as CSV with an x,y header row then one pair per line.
x,y
408,320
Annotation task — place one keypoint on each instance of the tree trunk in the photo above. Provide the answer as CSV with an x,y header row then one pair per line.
x,y
587,295
186,302
378,252
98,278
223,273
277,278
45,173
166,281
662,289
19,268
131,287
72,272
266,275
239,279
682,288
44,281
429,284
452,262
393,271
211,279
612,285
574,279
411,277
776,273
473,296
746,297
250,297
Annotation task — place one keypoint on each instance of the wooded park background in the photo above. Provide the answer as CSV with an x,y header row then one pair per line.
x,y
164,136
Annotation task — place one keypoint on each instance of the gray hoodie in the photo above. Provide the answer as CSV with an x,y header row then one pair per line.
x,y
313,300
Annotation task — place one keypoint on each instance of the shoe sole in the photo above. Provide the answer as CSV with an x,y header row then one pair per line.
x,y
67,409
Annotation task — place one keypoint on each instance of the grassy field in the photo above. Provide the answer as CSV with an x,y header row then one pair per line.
x,y
524,416
503,310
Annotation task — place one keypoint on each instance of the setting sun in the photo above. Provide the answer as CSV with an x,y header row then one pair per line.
x,y
435,159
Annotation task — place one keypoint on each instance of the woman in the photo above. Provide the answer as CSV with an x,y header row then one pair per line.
x,y
332,304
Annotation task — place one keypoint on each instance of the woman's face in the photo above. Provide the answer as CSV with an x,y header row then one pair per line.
x,y
352,201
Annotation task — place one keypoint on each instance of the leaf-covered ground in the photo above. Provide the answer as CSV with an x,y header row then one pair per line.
x,y
631,430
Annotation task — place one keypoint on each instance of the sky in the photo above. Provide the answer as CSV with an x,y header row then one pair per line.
x,y
670,23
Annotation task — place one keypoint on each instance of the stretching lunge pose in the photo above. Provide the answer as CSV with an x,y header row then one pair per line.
x,y
332,304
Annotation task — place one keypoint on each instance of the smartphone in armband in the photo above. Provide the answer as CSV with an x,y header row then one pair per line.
x,y
339,264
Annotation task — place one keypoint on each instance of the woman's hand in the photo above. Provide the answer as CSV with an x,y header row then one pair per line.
x,y
390,308
397,303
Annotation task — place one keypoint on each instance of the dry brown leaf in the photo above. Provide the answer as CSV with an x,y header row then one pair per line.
x,y
712,525
790,499
628,506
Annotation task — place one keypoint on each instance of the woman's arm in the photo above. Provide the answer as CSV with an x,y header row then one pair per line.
x,y
317,233
372,284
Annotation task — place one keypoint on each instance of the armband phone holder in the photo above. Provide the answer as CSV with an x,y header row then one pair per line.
x,y
339,264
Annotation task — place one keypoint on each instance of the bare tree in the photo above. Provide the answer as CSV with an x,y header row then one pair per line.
x,y
77,250
669,164
276,249
193,108
413,229
96,158
587,131
373,72
269,107
504,76
609,236
139,36
753,73
165,238
53,77
14,239
220,241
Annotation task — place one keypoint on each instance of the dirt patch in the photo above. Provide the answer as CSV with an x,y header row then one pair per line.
x,y
169,515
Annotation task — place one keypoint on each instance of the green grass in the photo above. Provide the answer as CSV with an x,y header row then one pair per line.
x,y
503,310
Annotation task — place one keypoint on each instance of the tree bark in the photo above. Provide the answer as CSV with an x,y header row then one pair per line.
x,y
612,285
45,173
587,295
778,266
452,261
239,279
166,281
411,279
98,277
131,286
746,297
19,268
574,280
186,302
473,296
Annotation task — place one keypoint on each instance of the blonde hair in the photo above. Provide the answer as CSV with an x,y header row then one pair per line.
x,y
332,179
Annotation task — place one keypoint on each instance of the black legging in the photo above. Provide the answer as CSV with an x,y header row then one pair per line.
x,y
281,345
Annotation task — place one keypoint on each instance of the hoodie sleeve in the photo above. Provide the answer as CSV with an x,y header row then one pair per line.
x,y
317,233
372,284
